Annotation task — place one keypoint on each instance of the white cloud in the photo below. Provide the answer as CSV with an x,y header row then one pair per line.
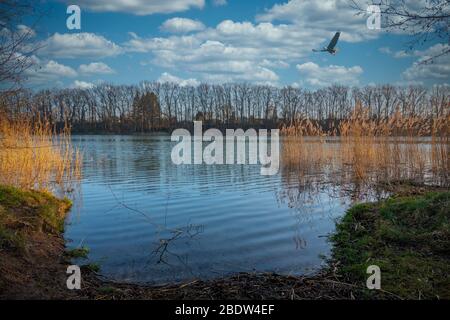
x,y
95,68
140,7
26,31
132,34
182,25
21,30
240,40
82,84
402,54
264,40
385,50
54,68
398,54
246,51
275,64
50,70
318,76
343,15
219,3
79,45
167,77
233,51
433,51
325,16
227,71
424,70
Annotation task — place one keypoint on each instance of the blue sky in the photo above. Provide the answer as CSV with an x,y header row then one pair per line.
x,y
193,41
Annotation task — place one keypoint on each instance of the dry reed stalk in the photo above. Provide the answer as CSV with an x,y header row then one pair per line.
x,y
34,156
371,151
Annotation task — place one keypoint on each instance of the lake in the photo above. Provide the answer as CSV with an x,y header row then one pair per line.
x,y
145,219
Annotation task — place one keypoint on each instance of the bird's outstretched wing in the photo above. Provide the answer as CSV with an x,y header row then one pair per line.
x,y
334,41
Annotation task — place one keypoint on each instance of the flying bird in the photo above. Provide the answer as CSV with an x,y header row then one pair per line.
x,y
331,48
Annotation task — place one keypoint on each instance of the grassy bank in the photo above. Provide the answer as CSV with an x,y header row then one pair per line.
x,y
31,224
407,237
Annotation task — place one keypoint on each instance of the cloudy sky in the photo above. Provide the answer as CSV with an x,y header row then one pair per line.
x,y
193,41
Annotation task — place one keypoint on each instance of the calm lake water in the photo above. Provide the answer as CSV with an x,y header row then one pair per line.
x,y
145,219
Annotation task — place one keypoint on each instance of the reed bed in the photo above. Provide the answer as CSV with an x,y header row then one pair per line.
x,y
34,156
367,151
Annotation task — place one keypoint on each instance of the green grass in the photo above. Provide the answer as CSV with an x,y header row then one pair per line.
x,y
407,237
107,290
22,212
11,239
95,267
81,252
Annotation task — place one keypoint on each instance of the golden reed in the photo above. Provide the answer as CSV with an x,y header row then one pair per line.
x,y
365,150
33,155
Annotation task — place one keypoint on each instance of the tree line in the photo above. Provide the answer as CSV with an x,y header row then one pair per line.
x,y
155,106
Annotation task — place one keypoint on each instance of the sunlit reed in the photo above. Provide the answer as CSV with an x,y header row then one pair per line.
x,y
33,155
371,151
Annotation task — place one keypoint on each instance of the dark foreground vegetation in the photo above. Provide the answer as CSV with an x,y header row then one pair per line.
x,y
31,243
408,236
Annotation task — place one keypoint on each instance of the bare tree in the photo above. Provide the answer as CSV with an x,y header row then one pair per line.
x,y
16,49
427,20
152,106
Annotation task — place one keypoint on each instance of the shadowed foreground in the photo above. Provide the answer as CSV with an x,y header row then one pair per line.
x,y
414,229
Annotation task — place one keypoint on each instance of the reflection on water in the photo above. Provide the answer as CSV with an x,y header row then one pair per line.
x,y
147,220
